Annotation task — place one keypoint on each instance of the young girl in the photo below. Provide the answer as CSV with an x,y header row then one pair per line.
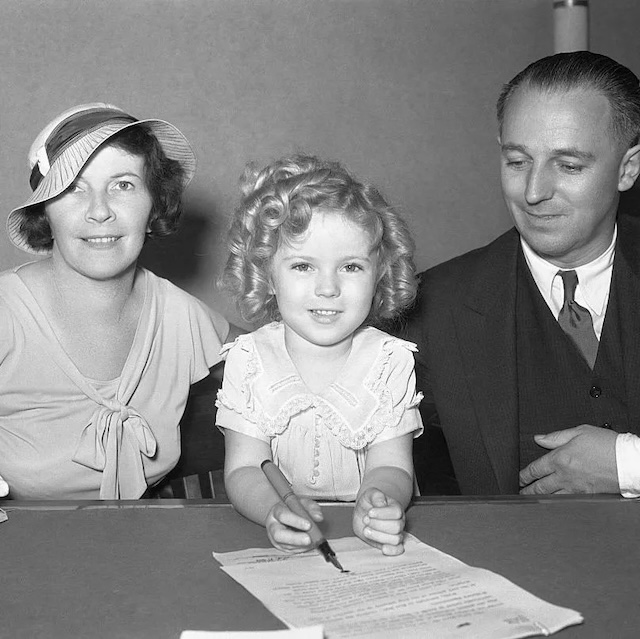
x,y
330,399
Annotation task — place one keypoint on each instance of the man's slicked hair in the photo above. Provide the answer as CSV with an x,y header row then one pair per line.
x,y
584,70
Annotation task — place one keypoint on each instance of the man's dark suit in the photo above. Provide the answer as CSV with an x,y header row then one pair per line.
x,y
465,326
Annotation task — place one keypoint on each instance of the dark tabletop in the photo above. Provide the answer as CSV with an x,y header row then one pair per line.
x,y
144,569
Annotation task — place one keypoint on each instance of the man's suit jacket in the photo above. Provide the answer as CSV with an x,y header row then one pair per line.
x,y
464,323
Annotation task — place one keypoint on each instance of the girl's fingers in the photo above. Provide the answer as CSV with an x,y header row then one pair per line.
x,y
383,538
291,539
288,518
393,511
387,527
392,551
286,530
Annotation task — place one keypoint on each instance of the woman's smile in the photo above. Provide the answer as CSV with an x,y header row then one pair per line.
x,y
102,241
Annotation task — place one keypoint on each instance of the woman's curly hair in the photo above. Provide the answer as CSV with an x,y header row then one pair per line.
x,y
276,208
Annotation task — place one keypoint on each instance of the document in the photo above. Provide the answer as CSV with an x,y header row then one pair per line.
x,y
421,593
3,516
301,633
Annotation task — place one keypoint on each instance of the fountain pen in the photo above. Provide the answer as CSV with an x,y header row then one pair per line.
x,y
285,492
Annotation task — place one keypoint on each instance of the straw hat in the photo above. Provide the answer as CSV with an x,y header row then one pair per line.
x,y
66,144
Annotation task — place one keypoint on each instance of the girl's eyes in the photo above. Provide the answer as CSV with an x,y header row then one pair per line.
x,y
124,185
304,267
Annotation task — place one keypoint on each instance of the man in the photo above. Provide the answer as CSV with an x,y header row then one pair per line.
x,y
536,386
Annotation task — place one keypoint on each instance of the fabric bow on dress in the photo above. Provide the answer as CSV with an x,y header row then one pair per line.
x,y
113,443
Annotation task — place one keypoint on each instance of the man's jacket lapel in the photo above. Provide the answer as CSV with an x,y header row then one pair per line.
x,y
485,325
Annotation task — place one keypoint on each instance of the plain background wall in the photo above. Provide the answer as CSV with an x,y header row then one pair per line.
x,y
401,91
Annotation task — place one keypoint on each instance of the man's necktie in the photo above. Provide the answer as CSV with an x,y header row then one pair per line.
x,y
576,321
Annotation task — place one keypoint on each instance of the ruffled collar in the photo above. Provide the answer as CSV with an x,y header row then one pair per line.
x,y
355,408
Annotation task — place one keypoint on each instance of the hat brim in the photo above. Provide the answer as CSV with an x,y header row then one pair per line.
x,y
67,166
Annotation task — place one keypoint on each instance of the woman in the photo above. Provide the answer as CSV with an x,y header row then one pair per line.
x,y
96,354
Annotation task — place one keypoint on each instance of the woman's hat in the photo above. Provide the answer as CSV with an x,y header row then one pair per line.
x,y
66,144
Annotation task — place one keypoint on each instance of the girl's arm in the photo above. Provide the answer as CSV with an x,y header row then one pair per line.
x,y
253,496
384,494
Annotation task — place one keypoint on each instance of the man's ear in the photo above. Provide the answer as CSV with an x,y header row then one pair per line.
x,y
629,168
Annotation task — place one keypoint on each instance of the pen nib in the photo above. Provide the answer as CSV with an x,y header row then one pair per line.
x,y
329,555
336,563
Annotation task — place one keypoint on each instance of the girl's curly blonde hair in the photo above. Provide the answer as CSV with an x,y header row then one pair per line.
x,y
277,206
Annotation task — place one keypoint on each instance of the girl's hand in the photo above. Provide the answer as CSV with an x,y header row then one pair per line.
x,y
379,520
286,530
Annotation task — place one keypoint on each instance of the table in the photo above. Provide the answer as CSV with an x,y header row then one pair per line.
x,y
143,569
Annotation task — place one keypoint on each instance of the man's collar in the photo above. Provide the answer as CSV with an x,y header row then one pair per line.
x,y
594,277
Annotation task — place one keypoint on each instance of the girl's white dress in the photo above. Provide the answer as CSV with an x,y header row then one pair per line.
x,y
320,441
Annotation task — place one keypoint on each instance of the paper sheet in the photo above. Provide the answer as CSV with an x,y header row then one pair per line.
x,y
421,593
301,633
3,516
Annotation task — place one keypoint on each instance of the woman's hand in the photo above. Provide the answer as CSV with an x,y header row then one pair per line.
x,y
4,487
379,520
287,531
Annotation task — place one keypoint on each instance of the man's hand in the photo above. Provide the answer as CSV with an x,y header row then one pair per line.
x,y
582,460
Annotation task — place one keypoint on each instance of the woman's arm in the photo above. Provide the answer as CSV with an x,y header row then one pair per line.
x,y
253,496
7,344
384,494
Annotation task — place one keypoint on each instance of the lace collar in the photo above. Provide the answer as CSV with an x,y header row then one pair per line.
x,y
355,408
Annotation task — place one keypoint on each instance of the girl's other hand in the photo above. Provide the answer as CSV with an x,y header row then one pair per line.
x,y
379,520
287,531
